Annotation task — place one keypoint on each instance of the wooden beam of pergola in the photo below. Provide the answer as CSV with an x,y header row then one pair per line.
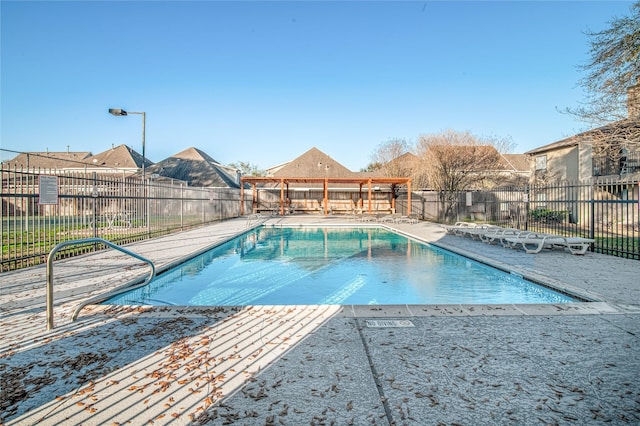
x,y
254,180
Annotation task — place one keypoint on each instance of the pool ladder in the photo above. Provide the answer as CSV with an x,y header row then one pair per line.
x,y
256,216
101,297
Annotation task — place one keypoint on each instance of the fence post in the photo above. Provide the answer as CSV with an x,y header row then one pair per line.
x,y
527,198
94,198
181,207
592,219
147,205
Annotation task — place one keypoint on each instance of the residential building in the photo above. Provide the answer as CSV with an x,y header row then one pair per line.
x,y
311,164
608,151
47,161
119,160
196,168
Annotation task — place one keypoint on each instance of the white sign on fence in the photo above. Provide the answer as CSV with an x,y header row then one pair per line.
x,y
48,187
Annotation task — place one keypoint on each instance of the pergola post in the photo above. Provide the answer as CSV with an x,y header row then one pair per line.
x,y
288,200
393,198
281,197
241,197
285,198
409,197
254,203
326,197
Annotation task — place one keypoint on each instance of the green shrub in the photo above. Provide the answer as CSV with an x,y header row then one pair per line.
x,y
548,216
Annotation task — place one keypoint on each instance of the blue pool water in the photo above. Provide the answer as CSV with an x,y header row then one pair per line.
x,y
289,266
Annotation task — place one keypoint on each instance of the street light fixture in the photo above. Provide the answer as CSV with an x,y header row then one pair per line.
x,y
121,112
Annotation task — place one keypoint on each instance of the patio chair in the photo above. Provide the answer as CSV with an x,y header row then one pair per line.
x,y
354,213
451,229
530,242
367,218
577,245
411,219
477,232
496,235
535,242
388,218
472,231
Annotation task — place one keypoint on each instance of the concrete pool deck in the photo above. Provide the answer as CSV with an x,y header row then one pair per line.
x,y
291,365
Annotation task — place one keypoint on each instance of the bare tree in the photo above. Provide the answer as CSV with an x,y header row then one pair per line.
x,y
504,144
386,154
456,161
613,144
614,65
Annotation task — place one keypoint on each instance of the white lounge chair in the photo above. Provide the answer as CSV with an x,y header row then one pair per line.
x,y
411,219
367,218
477,232
451,229
461,229
535,242
388,218
577,245
488,234
497,236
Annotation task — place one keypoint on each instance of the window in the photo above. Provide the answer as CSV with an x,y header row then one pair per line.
x,y
541,162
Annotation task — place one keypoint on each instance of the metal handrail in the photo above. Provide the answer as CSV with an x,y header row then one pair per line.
x,y
50,258
256,216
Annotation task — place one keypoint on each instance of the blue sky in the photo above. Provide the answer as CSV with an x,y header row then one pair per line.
x,y
263,82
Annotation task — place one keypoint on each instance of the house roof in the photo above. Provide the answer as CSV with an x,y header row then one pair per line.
x,y
567,142
577,139
314,164
120,157
196,168
271,170
48,160
403,165
516,162
407,157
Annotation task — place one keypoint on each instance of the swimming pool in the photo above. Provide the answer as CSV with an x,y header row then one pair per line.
x,y
312,265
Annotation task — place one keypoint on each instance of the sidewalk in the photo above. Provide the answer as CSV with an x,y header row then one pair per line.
x,y
296,365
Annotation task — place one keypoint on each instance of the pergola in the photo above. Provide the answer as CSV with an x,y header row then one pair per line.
x,y
285,181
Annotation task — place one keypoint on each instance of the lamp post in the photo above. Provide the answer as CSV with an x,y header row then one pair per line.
x,y
121,112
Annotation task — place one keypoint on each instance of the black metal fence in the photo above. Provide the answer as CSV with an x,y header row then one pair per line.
x,y
41,209
605,210
624,165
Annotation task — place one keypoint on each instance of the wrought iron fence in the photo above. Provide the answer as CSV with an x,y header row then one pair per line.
x,y
124,210
606,210
624,165
42,208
